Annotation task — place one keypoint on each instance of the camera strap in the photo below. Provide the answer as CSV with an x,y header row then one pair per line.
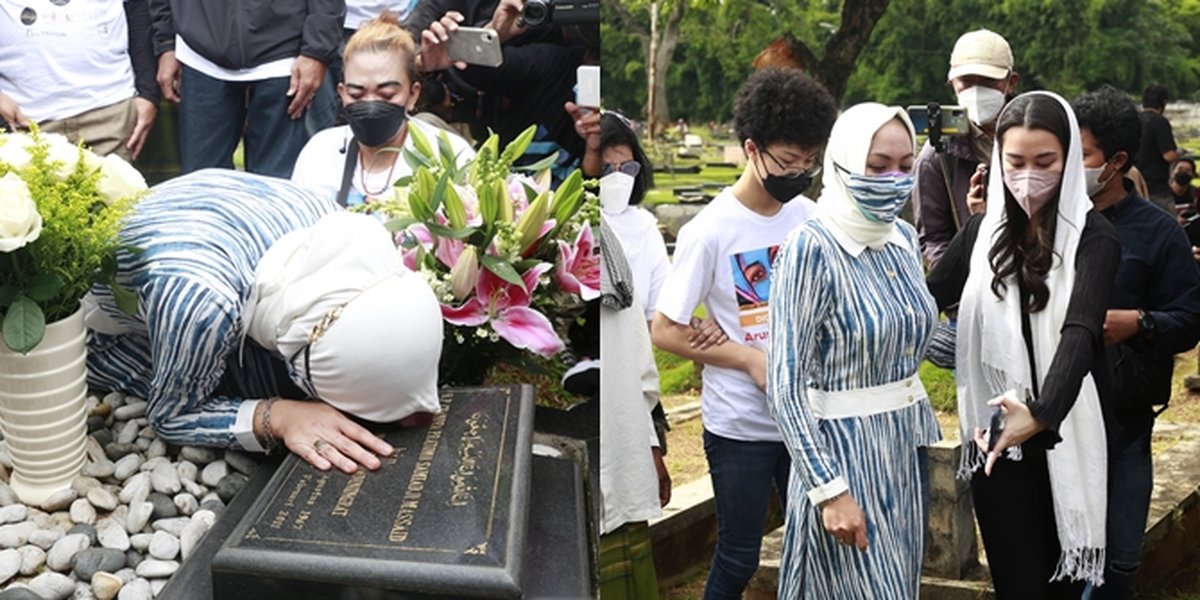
x,y
348,171
945,161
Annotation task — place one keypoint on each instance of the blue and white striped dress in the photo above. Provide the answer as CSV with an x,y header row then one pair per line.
x,y
200,238
841,322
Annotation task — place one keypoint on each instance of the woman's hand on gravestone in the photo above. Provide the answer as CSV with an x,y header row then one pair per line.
x,y
324,437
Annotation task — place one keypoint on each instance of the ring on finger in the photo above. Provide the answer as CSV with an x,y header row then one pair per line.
x,y
319,445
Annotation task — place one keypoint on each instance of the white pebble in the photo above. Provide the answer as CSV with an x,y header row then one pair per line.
x,y
153,463
205,516
139,516
113,536
13,513
136,489
138,589
186,503
213,473
7,495
59,556
187,470
127,575
194,488
45,538
102,499
127,466
143,445
157,585
82,485
200,455
141,541
131,410
82,511
128,432
157,448
16,535
32,559
52,586
173,526
94,450
106,585
83,591
165,480
114,399
152,568
164,546
190,538
10,564
99,469
60,500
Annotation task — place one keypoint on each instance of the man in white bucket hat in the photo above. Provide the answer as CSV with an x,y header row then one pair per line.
x,y
247,285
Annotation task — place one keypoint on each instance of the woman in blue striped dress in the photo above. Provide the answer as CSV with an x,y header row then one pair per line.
x,y
246,285
850,321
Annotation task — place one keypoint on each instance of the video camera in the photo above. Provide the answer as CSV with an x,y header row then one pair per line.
x,y
540,13
938,121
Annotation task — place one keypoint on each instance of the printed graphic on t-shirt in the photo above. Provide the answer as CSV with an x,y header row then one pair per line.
x,y
752,283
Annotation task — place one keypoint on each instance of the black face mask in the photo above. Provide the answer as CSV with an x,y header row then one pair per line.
x,y
1183,178
785,187
374,122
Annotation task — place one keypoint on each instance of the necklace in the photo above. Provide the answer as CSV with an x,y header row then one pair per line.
x,y
362,174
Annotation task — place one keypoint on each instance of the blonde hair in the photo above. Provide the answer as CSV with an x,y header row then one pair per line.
x,y
384,34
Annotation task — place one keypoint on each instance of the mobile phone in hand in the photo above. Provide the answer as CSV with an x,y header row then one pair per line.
x,y
475,46
996,428
587,86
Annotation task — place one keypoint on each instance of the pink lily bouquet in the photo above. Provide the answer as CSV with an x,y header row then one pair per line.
x,y
510,259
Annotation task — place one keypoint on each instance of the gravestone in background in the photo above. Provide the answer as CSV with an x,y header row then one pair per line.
x,y
444,517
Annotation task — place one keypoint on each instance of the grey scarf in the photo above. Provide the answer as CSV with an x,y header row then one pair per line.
x,y
616,282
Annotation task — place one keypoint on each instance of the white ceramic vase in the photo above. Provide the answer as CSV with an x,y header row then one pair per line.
x,y
42,410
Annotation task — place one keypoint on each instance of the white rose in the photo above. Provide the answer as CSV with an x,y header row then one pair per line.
x,y
119,179
14,150
61,150
20,222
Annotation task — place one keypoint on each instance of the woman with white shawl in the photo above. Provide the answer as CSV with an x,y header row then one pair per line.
x,y
1033,275
850,320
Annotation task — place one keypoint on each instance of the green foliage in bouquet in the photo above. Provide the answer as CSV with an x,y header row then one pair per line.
x,y
61,207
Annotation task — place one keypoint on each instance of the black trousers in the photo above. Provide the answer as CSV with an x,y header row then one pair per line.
x,y
1016,518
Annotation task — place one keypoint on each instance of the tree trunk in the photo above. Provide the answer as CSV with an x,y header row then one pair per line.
x,y
835,66
652,90
667,42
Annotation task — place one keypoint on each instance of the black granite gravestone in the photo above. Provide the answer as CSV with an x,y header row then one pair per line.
x,y
445,517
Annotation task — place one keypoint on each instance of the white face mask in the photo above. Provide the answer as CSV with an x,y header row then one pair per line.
x,y
1092,176
615,191
983,104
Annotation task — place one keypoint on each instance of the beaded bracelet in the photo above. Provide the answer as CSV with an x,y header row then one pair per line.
x,y
267,440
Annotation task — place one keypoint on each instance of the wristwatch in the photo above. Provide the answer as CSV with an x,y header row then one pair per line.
x,y
1145,324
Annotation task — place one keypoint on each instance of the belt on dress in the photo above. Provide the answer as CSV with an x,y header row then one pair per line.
x,y
866,401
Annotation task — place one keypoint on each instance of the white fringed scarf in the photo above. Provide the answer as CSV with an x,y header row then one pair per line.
x,y
992,359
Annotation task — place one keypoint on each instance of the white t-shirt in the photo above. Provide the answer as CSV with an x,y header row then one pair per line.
x,y
361,11
60,59
319,167
643,243
277,68
724,234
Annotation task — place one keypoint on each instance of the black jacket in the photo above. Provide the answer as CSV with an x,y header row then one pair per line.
x,y
239,34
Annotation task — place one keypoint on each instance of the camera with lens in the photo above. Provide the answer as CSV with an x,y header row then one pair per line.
x,y
938,121
540,13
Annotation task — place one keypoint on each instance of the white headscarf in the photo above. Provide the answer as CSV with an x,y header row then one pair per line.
x,y
377,357
992,359
849,146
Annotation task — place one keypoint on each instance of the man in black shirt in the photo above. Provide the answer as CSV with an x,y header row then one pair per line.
x,y
1154,313
1156,150
1184,194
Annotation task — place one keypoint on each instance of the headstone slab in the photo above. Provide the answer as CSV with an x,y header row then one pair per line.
x,y
444,517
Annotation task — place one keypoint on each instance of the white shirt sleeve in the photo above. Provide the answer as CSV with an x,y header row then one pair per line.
x,y
690,278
